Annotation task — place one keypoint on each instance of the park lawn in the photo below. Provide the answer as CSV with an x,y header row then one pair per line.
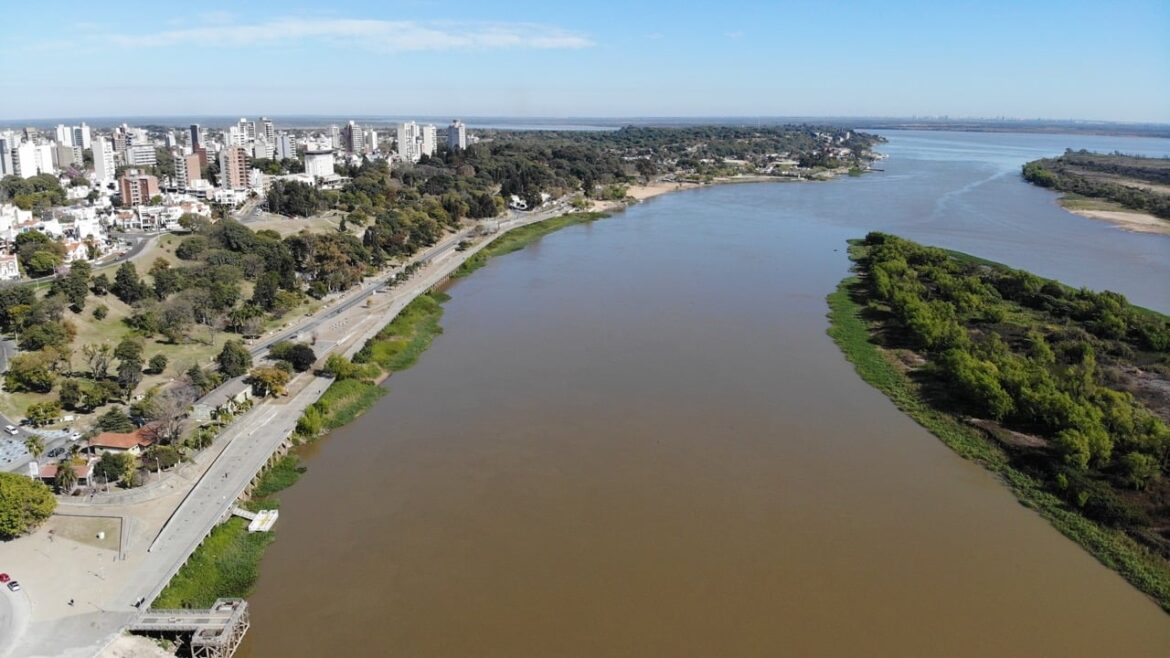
x,y
163,247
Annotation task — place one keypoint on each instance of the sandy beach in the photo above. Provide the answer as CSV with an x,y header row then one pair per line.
x,y
1138,222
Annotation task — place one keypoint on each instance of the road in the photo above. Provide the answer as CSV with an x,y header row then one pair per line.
x,y
250,441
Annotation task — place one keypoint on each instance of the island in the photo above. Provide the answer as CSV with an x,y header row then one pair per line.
x,y
1128,190
1063,392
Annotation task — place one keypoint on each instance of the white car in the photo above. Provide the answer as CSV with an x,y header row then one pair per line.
x,y
10,429
75,435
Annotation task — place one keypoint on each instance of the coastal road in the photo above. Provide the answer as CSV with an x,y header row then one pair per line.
x,y
249,443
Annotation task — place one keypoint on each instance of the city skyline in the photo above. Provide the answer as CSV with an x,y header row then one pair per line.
x,y
605,60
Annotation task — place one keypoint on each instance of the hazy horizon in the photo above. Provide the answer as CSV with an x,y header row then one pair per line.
x,y
527,59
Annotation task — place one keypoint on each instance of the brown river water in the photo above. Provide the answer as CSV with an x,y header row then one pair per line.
x,y
635,439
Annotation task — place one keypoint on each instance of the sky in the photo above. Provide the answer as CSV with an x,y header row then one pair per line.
x,y
597,58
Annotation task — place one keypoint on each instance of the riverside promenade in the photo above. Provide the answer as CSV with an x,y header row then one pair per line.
x,y
161,526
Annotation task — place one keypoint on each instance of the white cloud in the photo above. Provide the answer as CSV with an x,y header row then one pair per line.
x,y
377,35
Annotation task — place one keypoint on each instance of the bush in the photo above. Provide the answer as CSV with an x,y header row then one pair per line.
x,y
24,504
100,312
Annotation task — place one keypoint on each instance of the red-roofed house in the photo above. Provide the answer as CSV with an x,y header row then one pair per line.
x,y
134,442
83,470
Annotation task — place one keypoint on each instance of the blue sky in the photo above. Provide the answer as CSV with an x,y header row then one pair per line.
x,y
1036,59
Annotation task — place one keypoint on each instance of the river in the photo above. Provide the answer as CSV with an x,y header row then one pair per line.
x,y
635,439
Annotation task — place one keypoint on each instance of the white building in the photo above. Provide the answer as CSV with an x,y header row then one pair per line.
x,y
286,148
103,160
456,136
9,268
267,130
141,155
64,135
427,140
408,141
319,163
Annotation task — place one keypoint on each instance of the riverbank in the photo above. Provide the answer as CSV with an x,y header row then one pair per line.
x,y
227,563
879,367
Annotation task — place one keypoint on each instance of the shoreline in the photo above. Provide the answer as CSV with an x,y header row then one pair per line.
x,y
1124,219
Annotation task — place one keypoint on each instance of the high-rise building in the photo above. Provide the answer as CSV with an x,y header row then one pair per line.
x,y
267,130
6,168
187,169
370,139
286,148
263,149
247,128
82,136
196,137
137,188
24,160
141,155
335,137
103,160
233,168
427,140
408,138
64,135
44,159
457,136
66,156
352,138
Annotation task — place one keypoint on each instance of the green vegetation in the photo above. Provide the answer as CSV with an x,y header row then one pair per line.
x,y
1028,358
227,563
399,344
1137,183
24,504
521,237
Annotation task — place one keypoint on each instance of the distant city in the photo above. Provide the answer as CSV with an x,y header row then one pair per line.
x,y
145,178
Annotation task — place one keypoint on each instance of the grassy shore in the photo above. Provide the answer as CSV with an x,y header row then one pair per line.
x,y
227,563
518,238
1114,549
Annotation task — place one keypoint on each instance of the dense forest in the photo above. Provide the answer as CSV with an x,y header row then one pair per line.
x,y
1139,183
1075,384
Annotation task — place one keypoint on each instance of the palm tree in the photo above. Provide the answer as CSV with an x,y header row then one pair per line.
x,y
66,477
35,444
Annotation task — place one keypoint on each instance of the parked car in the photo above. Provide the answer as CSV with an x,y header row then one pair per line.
x,y
5,578
74,435
11,429
55,452
14,586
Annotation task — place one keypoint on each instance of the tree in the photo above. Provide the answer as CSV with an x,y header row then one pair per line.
x,y
234,359
129,348
128,286
33,371
24,504
66,478
158,363
75,285
43,413
1140,469
117,467
115,420
98,357
129,376
35,444
100,285
300,355
268,380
